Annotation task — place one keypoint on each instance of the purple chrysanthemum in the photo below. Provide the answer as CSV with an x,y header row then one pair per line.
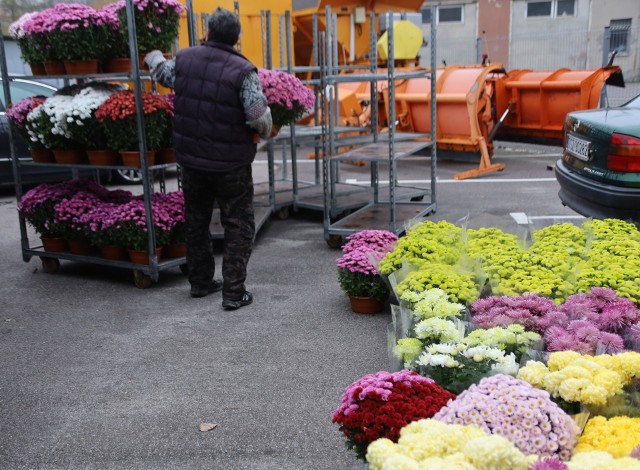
x,y
549,464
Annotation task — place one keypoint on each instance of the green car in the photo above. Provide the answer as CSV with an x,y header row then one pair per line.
x,y
599,173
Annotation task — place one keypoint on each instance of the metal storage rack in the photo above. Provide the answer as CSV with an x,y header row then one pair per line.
x,y
289,191
143,275
401,204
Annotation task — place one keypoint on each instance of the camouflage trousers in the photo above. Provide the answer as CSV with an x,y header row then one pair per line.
x,y
233,192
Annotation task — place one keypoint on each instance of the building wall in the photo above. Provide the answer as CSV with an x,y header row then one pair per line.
x,y
603,11
544,43
455,42
503,31
494,20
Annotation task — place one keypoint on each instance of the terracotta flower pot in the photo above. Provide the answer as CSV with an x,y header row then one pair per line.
x,y
37,68
133,158
80,67
69,156
142,257
42,155
177,250
103,157
117,65
114,252
54,244
80,247
54,68
366,304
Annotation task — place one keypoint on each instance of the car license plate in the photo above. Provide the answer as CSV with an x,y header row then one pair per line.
x,y
577,147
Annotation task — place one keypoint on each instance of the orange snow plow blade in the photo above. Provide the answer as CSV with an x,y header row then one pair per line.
x,y
537,102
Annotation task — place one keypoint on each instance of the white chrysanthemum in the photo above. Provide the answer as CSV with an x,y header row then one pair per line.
x,y
442,330
437,360
443,348
490,353
506,365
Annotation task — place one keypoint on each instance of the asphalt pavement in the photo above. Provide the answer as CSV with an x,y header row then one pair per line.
x,y
97,374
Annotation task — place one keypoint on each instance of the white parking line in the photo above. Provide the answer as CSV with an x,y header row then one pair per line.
x,y
487,180
522,218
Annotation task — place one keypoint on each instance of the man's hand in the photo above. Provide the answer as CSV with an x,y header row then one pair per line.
x,y
274,130
153,59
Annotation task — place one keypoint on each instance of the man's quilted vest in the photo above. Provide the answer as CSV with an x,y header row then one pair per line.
x,y
210,130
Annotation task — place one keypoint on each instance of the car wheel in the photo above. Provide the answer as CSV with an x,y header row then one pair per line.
x,y
127,176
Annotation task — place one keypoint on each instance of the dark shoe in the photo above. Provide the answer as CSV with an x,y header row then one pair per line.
x,y
201,291
229,304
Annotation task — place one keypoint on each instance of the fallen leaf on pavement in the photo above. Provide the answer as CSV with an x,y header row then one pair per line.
x,y
204,427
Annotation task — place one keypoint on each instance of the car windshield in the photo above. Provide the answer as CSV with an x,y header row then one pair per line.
x,y
20,90
634,103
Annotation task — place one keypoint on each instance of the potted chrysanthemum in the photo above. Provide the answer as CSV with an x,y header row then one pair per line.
x,y
29,51
117,55
37,206
78,119
130,229
172,232
379,405
156,22
68,217
35,32
118,117
286,95
17,114
357,274
78,34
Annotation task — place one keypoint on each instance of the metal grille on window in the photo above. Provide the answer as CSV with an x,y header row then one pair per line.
x,y
619,30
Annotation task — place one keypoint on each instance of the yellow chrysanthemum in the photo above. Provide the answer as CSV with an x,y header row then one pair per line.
x,y
400,462
617,436
428,444
561,359
597,460
452,462
534,373
572,389
594,395
379,451
611,380
495,453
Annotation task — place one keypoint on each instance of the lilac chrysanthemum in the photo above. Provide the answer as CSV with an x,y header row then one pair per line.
x,y
584,331
526,310
549,464
611,343
513,408
635,453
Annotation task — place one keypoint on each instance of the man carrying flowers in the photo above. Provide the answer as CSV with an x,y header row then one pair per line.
x,y
219,108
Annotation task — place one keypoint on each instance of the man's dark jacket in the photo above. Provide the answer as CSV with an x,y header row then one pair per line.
x,y
210,130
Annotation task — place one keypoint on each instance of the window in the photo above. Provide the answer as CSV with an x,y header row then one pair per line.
x,y
566,8
450,14
426,15
550,8
619,35
538,9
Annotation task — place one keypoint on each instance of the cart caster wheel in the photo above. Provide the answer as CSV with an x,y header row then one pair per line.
x,y
283,213
184,268
334,241
141,280
50,265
